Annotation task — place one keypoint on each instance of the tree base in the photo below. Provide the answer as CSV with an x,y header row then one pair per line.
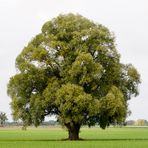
x,y
67,139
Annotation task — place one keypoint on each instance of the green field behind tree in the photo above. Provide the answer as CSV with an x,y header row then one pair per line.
x,y
92,138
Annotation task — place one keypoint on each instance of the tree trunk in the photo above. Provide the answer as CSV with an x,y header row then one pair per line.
x,y
73,131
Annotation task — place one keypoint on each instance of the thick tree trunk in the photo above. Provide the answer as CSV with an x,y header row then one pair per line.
x,y
73,132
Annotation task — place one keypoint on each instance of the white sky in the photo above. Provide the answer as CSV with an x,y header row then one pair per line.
x,y
21,20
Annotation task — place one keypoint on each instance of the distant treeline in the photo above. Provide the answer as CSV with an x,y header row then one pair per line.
x,y
46,123
139,122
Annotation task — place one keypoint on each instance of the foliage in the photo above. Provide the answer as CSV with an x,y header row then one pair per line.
x,y
141,122
3,118
72,70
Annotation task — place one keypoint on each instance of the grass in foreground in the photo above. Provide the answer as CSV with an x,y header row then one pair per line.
x,y
93,138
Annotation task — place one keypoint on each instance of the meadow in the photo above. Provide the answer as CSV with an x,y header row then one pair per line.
x,y
92,138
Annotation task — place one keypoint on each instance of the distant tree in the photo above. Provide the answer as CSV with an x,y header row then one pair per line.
x,y
130,122
140,122
72,70
52,122
146,122
3,118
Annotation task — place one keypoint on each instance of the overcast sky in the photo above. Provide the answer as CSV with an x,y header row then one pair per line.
x,y
21,20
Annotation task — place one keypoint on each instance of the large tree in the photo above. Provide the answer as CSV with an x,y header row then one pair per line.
x,y
72,70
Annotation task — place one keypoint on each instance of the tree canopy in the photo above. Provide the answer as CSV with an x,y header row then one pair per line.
x,y
72,70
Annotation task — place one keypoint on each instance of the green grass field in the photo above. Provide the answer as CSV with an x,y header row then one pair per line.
x,y
93,138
